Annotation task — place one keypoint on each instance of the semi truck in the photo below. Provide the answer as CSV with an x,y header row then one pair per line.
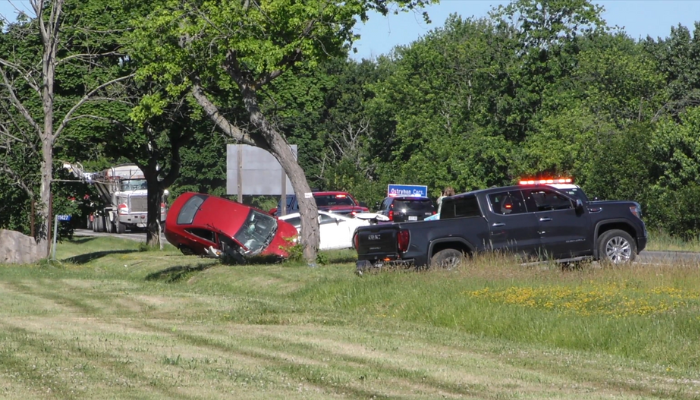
x,y
123,191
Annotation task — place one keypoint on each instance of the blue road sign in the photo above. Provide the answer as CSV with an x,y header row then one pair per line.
x,y
63,217
407,190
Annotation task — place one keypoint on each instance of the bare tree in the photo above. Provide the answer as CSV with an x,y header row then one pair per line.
x,y
28,80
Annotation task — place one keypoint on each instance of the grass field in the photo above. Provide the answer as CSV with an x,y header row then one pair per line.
x,y
660,241
109,321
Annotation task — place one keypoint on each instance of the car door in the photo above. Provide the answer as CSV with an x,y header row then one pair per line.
x,y
202,238
334,233
564,231
511,227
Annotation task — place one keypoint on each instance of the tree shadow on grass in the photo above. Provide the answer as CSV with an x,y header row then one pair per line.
x,y
86,258
342,260
82,239
177,273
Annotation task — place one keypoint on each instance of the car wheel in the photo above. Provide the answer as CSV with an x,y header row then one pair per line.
x,y
446,259
617,247
121,228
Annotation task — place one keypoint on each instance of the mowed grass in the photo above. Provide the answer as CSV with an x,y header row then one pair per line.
x,y
109,321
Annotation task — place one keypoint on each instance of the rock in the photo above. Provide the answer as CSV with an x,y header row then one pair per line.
x,y
17,248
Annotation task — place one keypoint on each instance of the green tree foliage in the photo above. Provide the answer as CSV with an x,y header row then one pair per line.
x,y
241,47
434,111
678,57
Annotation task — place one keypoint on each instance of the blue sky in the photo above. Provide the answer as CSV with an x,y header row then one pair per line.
x,y
639,19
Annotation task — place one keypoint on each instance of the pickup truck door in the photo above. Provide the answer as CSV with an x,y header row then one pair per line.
x,y
511,227
564,232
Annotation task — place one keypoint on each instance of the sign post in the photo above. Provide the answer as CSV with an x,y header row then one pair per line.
x,y
407,190
55,233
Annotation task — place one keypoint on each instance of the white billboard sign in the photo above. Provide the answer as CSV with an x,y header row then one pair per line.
x,y
252,171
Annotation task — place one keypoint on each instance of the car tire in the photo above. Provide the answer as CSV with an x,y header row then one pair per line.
x,y
447,259
121,228
616,247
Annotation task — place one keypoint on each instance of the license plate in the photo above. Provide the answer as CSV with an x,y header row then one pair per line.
x,y
412,218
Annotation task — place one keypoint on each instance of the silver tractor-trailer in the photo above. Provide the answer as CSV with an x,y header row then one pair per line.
x,y
123,190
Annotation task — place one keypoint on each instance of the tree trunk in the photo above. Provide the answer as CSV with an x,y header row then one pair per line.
x,y
310,235
44,212
154,198
269,139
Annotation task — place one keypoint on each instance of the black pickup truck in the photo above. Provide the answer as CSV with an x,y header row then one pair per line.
x,y
537,221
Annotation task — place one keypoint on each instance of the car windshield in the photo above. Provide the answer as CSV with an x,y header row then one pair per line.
x,y
257,231
333,200
127,185
414,205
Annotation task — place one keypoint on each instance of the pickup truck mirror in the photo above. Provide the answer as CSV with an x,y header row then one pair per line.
x,y
579,206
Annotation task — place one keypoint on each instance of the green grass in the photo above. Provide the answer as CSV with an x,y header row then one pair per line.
x,y
661,241
109,321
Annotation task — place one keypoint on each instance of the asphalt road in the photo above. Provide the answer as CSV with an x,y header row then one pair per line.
x,y
136,236
645,258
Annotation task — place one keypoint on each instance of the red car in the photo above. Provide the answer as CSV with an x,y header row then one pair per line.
x,y
335,202
197,222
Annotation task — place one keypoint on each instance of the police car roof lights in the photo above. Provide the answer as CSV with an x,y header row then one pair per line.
x,y
547,181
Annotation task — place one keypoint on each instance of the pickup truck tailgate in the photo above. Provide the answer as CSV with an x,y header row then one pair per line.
x,y
377,241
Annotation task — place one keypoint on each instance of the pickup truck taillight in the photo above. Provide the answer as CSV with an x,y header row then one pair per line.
x,y
356,241
391,215
402,240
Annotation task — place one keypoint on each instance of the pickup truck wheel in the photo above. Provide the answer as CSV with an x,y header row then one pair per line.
x,y
446,259
617,247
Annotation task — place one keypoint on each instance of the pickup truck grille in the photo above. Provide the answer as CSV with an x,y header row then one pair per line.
x,y
138,204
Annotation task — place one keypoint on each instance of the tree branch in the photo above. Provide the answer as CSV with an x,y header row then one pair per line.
x,y
9,171
80,102
26,75
229,129
86,56
17,103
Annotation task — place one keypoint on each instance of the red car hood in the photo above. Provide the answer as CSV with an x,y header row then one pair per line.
x,y
282,241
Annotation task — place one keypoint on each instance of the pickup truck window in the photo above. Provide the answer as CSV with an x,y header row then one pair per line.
x,y
507,203
546,200
334,200
460,207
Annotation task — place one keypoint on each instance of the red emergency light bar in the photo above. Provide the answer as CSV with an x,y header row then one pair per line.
x,y
546,181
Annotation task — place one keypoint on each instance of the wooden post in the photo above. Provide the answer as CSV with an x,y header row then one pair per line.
x,y
283,198
31,220
240,173
50,217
